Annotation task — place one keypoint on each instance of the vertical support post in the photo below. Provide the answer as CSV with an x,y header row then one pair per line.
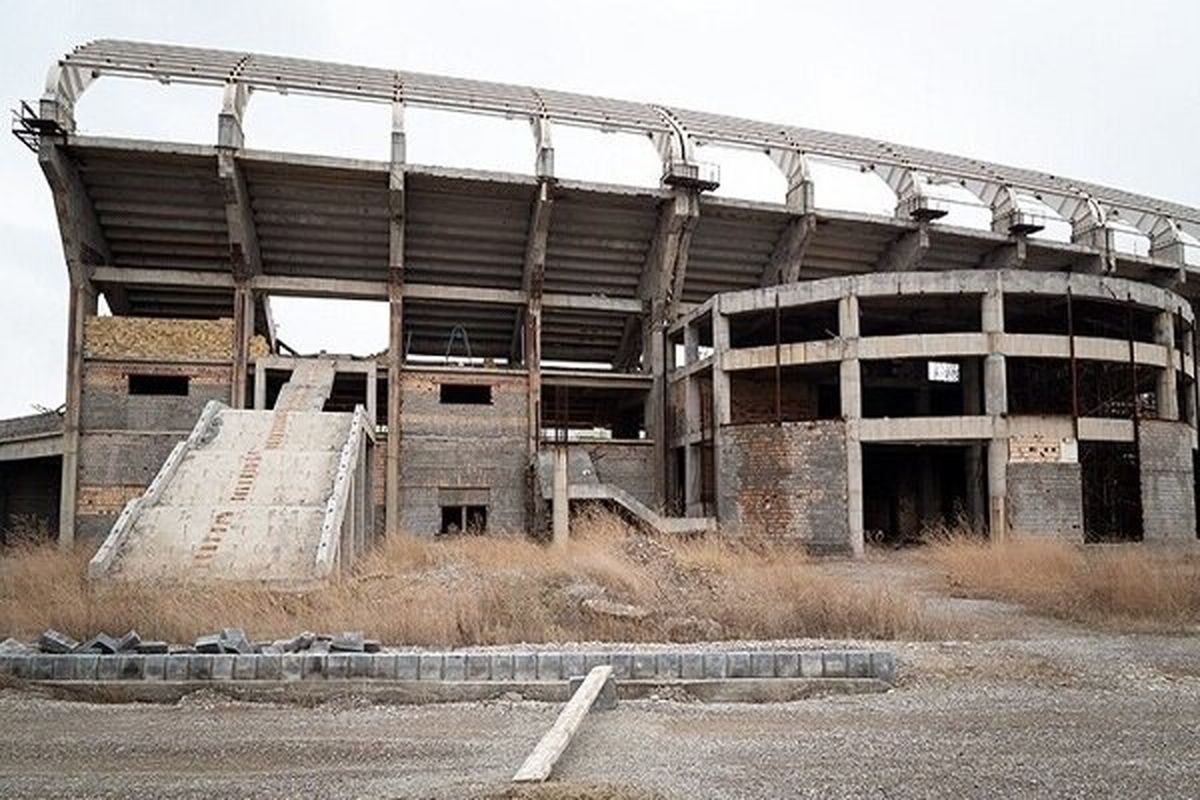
x,y
395,354
1167,394
850,389
1074,366
561,496
722,413
243,329
778,367
80,306
995,402
691,479
372,396
260,386
529,333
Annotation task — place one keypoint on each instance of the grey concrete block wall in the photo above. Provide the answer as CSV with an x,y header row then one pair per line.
x,y
629,466
1168,489
1045,500
786,481
464,446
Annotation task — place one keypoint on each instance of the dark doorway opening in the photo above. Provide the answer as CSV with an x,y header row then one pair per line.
x,y
1112,492
910,491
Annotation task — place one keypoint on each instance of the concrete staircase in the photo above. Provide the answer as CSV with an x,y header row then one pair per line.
x,y
584,484
279,497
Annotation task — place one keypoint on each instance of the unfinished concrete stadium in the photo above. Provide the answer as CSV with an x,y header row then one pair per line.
x,y
698,362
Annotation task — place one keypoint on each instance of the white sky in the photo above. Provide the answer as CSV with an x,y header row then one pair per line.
x,y
1098,90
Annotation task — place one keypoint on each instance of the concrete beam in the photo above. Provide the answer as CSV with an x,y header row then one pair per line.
x,y
83,241
1008,256
788,257
245,259
534,267
907,252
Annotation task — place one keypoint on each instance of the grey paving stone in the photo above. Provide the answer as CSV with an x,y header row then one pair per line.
x,y
454,667
406,666
622,664
715,666
549,666
858,664
100,643
360,665
383,666
762,664
338,666
270,667
84,667
314,666
108,668
525,666
667,665
22,666
347,642
502,666
812,664
644,665
430,667
153,647
6,666
235,641
178,667
56,642
222,667
210,643
691,666
64,669
883,666
291,666
573,665
593,660
835,664
156,668
245,667
133,667
42,668
479,667
739,665
787,665
129,642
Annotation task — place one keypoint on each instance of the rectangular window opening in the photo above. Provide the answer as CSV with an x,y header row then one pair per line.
x,y
170,385
471,394
463,519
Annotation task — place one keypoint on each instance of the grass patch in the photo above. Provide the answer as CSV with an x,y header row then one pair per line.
x,y
488,590
1134,586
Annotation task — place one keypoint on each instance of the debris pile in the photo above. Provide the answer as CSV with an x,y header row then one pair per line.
x,y
228,640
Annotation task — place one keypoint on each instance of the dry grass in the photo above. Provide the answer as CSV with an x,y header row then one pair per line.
x,y
487,590
1113,586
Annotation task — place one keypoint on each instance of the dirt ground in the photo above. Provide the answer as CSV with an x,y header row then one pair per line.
x,y
1037,708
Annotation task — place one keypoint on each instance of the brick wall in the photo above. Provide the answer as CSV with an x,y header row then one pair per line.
x,y
462,446
1045,499
752,397
125,438
1168,499
786,482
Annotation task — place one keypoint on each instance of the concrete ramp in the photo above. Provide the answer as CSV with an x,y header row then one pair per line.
x,y
279,497
583,483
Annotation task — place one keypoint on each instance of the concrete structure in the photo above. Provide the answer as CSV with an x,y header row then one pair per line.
x,y
784,369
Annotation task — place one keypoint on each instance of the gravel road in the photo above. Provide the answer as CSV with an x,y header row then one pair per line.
x,y
1088,715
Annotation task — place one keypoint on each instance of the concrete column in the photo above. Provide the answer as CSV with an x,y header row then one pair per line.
x,y
561,496
995,405
243,330
656,418
372,395
80,305
850,389
722,413
260,386
1166,392
691,344
395,353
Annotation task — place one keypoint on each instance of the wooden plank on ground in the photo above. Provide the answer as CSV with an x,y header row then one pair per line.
x,y
541,761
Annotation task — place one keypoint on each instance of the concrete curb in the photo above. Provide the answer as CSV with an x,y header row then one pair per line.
x,y
477,667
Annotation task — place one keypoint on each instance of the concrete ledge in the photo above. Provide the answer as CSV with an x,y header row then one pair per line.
x,y
522,667
391,692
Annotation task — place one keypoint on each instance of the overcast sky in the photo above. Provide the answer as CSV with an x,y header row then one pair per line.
x,y
1098,90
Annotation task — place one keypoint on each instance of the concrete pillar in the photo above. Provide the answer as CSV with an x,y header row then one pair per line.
x,y
243,330
850,389
722,413
80,305
691,344
372,395
260,386
995,405
1166,391
656,419
561,496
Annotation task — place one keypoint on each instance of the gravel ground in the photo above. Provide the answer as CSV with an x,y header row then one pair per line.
x,y
1092,715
